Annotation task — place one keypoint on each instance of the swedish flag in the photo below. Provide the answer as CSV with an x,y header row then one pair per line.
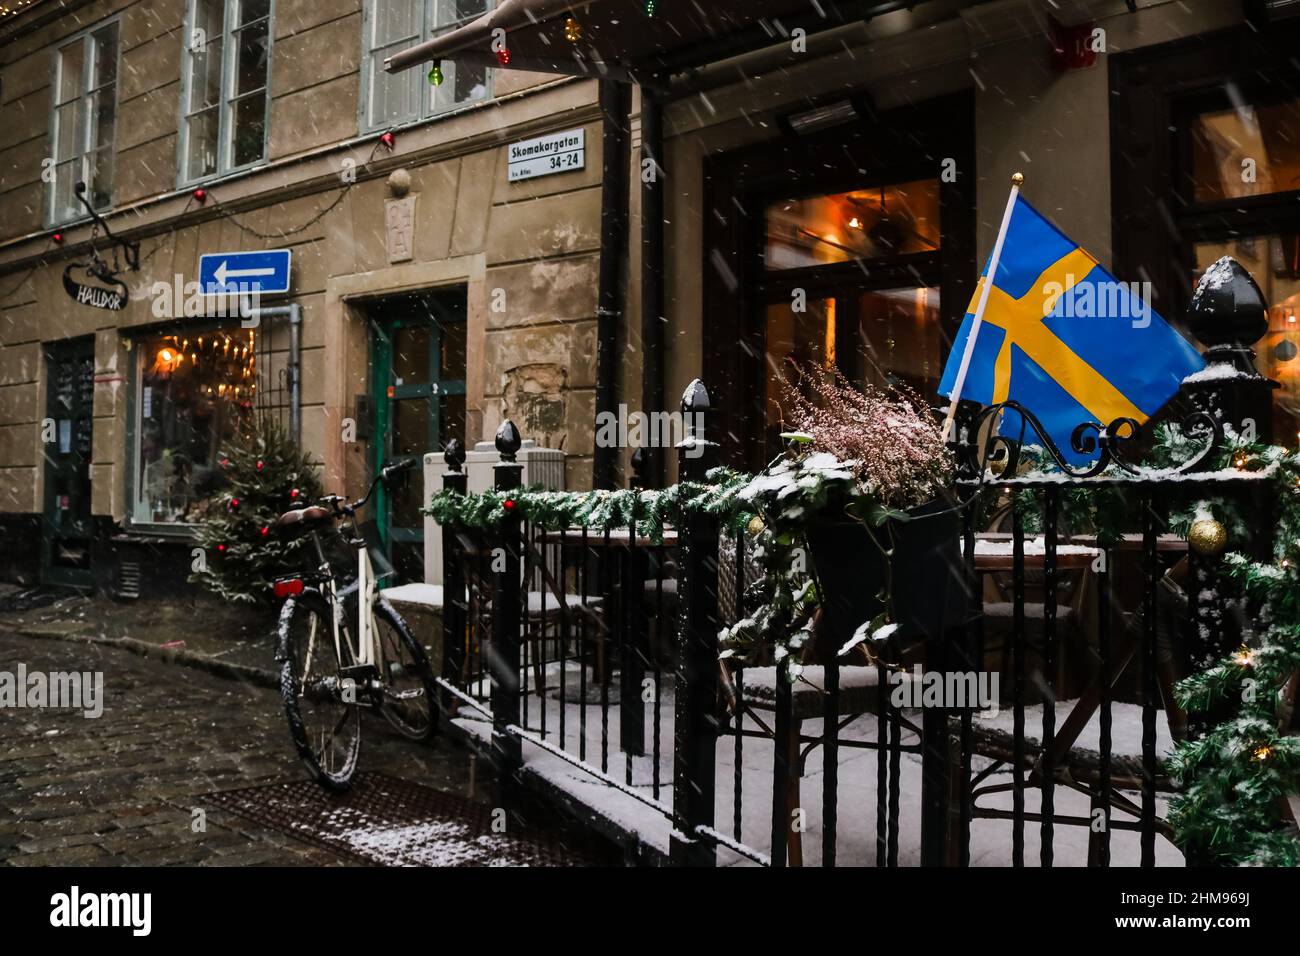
x,y
1064,338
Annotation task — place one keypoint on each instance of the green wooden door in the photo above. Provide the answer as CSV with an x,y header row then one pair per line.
x,y
419,399
67,434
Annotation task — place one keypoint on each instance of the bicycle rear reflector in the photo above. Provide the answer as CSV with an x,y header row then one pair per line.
x,y
288,587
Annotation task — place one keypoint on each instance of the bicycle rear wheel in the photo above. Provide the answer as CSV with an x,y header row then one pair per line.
x,y
324,723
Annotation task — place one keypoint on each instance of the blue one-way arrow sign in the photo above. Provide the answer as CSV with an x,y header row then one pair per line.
x,y
228,273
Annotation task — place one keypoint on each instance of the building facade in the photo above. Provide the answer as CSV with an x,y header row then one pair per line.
x,y
435,294
810,188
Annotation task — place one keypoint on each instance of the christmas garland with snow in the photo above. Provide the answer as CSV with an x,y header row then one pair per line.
x,y
1235,779
650,512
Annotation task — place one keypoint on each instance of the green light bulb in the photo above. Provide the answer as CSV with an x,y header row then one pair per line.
x,y
435,74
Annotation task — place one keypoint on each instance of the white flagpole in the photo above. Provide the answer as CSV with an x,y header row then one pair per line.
x,y
1016,181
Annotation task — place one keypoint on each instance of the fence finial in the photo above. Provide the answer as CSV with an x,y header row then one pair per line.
x,y
695,398
508,441
454,455
1228,314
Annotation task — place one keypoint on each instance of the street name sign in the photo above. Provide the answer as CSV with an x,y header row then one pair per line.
x,y
546,155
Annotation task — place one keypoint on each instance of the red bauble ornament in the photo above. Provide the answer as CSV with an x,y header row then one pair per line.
x,y
508,504
293,495
58,238
503,56
234,504
259,464
266,529
200,195
221,547
225,463
388,139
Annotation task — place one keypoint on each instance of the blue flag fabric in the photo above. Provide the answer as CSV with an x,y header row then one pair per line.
x,y
1065,339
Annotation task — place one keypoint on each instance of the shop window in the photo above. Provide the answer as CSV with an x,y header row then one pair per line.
x,y
228,56
84,124
394,25
196,389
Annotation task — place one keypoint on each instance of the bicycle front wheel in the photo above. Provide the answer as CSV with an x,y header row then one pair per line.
x,y
324,716
408,693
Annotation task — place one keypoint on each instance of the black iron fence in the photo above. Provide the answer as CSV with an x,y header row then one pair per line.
x,y
1033,729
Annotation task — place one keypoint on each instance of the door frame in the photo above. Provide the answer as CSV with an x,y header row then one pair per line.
x,y
82,347
384,391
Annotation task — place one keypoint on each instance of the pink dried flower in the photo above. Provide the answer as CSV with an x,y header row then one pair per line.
x,y
888,434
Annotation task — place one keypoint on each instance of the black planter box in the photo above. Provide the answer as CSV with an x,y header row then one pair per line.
x,y
929,590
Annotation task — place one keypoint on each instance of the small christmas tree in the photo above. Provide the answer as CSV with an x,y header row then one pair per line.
x,y
266,475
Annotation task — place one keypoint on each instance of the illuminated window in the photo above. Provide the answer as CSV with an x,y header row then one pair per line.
x,y
877,223
196,391
1249,150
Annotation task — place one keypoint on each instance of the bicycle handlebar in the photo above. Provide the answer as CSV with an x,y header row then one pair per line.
x,y
341,506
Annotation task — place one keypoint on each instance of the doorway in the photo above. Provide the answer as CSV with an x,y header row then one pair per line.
x,y
67,440
418,362
849,249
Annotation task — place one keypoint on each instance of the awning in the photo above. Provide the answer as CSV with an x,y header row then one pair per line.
x,y
633,39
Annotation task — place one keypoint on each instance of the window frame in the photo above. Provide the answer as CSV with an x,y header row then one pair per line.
x,y
226,99
85,148
428,29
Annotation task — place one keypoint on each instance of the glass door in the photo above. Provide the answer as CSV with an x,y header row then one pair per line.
x,y
66,542
419,356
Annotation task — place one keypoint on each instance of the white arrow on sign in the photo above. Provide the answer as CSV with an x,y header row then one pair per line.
x,y
222,272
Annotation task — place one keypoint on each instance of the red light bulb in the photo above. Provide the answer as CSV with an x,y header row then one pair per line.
x,y
293,494
200,195
389,140
58,238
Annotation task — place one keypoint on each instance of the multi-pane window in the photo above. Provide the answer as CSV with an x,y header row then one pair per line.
x,y
394,25
228,54
85,118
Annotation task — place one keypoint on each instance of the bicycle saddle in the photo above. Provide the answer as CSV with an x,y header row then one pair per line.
x,y
308,515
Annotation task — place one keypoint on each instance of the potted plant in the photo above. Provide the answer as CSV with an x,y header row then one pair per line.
x,y
857,519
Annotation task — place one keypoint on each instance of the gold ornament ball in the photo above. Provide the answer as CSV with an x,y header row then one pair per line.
x,y
1017,179
755,526
1207,536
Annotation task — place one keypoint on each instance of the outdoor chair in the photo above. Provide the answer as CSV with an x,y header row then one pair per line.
x,y
545,607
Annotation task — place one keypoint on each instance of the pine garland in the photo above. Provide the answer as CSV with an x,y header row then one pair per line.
x,y
649,511
1236,779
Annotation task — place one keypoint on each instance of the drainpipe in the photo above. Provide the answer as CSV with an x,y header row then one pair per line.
x,y
294,312
613,244
652,272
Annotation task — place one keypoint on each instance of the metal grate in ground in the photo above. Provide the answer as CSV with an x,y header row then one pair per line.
x,y
390,822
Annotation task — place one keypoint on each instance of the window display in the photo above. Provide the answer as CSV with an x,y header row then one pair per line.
x,y
196,390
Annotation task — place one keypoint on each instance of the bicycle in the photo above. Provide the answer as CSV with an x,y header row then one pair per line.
x,y
342,648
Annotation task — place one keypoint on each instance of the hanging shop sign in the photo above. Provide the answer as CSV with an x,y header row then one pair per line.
x,y
113,298
546,155
112,295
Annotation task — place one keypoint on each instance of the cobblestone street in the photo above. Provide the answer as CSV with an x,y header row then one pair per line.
x,y
121,789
